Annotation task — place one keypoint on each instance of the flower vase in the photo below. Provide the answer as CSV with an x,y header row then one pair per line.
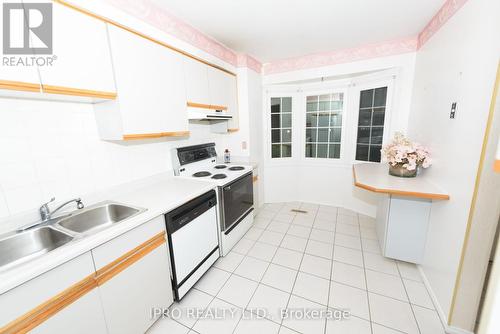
x,y
400,171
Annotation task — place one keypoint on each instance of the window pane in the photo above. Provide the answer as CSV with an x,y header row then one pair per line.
x,y
380,97
311,135
362,152
286,120
336,119
366,98
275,121
378,116
324,102
281,127
323,119
286,136
275,105
337,105
363,135
311,120
286,104
335,135
312,103
377,135
286,150
365,117
371,124
375,153
322,151
275,136
323,136
276,151
334,151
311,150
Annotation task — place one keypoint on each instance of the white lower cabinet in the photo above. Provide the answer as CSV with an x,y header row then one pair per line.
x,y
129,297
110,289
32,306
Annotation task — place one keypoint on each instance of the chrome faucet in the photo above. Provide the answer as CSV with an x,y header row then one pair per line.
x,y
46,214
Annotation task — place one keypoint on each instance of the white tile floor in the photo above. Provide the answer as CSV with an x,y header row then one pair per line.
x,y
325,259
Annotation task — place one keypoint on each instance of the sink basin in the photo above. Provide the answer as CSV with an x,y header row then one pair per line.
x,y
22,246
98,217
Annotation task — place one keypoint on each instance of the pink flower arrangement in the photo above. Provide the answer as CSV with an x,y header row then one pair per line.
x,y
401,151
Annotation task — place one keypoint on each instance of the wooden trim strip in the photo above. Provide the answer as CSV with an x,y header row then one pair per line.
x,y
472,209
138,136
116,24
205,106
20,86
233,130
398,192
123,262
44,311
49,89
255,178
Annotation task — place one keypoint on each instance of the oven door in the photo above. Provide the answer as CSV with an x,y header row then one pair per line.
x,y
237,200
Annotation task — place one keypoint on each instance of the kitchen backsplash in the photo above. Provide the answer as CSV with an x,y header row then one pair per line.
x,y
52,149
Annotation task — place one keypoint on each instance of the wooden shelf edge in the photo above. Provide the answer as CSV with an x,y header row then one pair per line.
x,y
231,130
116,24
20,86
496,166
139,136
397,192
49,89
205,106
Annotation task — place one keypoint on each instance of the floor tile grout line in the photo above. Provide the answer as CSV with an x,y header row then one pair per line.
x,y
408,296
331,269
297,274
366,282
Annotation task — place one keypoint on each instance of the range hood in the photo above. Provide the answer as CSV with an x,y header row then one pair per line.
x,y
207,112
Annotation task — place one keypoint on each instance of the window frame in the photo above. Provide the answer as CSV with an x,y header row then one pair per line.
x,y
303,113
298,92
388,112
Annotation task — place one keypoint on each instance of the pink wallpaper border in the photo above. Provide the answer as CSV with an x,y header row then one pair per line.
x,y
375,50
448,9
149,12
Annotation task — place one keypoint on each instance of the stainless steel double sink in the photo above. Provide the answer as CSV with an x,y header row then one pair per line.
x,y
23,245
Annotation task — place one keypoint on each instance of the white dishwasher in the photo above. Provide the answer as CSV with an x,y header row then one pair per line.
x,y
193,241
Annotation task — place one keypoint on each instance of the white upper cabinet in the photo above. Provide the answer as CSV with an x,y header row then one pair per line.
x,y
83,59
196,81
219,84
151,90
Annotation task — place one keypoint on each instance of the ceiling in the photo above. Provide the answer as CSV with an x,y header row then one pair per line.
x,y
276,29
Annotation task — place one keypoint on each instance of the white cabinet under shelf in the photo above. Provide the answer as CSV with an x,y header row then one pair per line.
x,y
151,90
142,282
46,304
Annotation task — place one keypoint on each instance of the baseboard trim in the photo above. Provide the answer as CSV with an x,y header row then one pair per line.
x,y
442,315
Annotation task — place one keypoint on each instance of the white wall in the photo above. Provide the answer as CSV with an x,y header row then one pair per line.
x,y
327,183
52,148
457,64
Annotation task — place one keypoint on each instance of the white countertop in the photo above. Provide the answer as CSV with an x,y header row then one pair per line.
x,y
376,178
158,194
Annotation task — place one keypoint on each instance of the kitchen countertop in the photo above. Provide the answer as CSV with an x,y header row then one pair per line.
x,y
158,194
375,177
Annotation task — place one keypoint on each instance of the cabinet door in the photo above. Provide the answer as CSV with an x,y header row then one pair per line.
x,y
219,84
196,81
129,296
80,44
41,298
150,84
